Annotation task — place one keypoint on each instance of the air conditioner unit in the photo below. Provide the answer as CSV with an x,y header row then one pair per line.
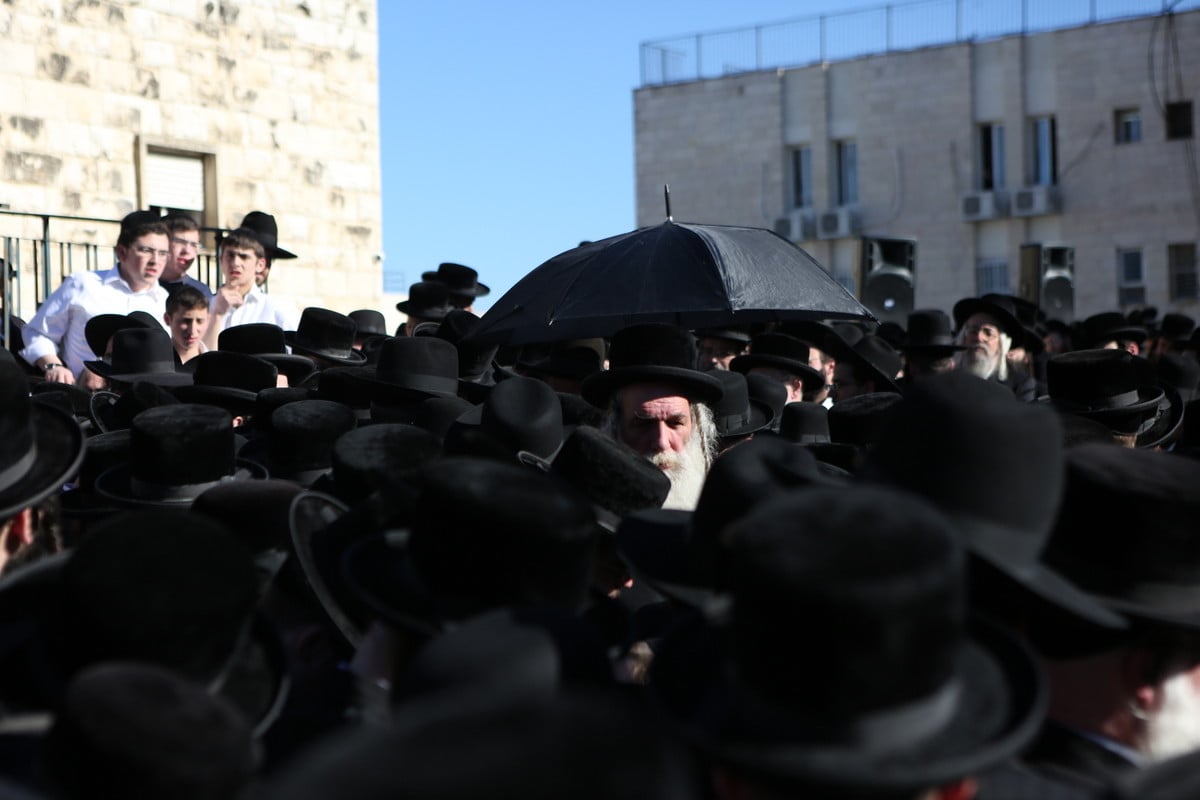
x,y
800,225
984,205
1035,201
838,223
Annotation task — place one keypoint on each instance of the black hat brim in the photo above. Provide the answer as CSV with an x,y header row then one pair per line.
x,y
809,377
354,359
1168,422
114,485
761,417
479,290
657,553
60,442
964,309
159,378
318,543
693,384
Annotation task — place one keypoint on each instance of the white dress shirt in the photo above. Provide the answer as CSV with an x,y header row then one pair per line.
x,y
257,306
57,329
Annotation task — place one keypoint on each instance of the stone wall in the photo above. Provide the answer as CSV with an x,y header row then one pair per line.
x,y
281,96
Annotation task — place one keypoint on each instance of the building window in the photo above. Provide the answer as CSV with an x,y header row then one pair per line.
x,y
1043,151
1127,125
991,276
847,173
991,157
1181,262
1179,120
1131,284
802,193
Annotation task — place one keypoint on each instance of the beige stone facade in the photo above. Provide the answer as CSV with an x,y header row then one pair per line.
x,y
274,102
725,146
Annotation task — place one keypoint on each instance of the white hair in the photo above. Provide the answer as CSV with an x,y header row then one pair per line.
x,y
1175,728
984,369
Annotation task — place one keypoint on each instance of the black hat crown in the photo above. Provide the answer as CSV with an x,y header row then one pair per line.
x,y
325,334
264,228
1090,382
929,328
458,279
428,300
652,353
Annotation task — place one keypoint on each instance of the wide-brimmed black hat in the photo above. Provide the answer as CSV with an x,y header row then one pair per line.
x,y
458,279
1003,502
176,452
378,458
474,359
1127,530
863,419
325,334
1176,327
1110,326
267,341
428,300
1000,307
228,379
805,423
484,534
41,447
573,359
1180,372
782,352
929,332
615,477
410,369
264,228
100,328
299,443
1104,385
370,322
141,354
652,353
770,392
738,414
113,412
521,419
910,696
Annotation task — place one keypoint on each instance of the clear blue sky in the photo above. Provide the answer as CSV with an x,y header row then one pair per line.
x,y
507,128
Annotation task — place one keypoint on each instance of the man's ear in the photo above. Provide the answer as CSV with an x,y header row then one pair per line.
x,y
167,318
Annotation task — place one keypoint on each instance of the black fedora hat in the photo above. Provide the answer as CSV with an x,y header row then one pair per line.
x,y
862,420
370,322
141,354
1000,307
910,696
325,334
41,447
767,390
737,414
652,353
1127,529
571,359
1108,386
1110,326
100,328
229,380
264,228
299,444
410,369
267,341
611,474
176,452
378,458
805,423
474,360
929,331
459,279
520,419
1176,326
484,534
433,414
1004,502
429,300
783,352
113,412
1180,372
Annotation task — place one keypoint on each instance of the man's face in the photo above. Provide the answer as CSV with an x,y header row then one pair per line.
x,y
142,262
982,335
716,353
238,266
262,272
818,361
187,327
654,420
845,384
185,246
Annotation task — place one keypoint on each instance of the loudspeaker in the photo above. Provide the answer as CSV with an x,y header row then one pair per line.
x,y
887,276
1048,279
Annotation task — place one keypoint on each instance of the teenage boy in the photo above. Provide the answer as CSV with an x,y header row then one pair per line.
x,y
187,319
185,247
239,301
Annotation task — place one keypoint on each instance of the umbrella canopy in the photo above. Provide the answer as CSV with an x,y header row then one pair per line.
x,y
694,276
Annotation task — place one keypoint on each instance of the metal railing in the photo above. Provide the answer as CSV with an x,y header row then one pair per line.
x,y
879,29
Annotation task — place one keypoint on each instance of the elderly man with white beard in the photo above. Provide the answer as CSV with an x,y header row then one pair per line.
x,y
660,405
1123,700
987,327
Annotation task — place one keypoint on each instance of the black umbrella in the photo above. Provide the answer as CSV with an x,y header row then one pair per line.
x,y
694,276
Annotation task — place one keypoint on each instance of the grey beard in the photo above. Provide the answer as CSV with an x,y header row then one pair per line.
x,y
979,366
687,471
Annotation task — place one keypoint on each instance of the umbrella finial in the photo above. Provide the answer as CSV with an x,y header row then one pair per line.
x,y
667,198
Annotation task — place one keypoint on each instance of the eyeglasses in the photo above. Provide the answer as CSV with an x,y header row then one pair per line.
x,y
986,331
142,250
185,243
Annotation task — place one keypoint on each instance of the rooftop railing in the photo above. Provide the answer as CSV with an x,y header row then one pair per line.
x,y
879,29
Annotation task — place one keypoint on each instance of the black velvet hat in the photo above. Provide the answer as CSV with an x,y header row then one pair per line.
x,y
737,414
458,279
910,697
299,445
141,354
611,474
652,353
782,352
994,465
176,452
113,412
229,380
929,332
264,228
862,420
412,368
521,419
1001,308
377,458
573,359
41,448
266,341
1176,327
1110,326
805,423
325,334
474,359
428,300
771,393
1105,385
370,323
100,328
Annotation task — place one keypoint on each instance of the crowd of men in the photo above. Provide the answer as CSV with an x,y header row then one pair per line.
x,y
248,552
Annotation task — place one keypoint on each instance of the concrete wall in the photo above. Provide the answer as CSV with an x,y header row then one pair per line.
x,y
283,97
915,118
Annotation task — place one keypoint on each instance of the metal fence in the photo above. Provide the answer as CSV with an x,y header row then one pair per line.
x,y
879,29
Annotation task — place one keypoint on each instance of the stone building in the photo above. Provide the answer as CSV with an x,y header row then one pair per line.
x,y
1080,140
215,107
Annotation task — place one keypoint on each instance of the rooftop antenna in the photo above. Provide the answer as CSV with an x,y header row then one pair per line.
x,y
667,198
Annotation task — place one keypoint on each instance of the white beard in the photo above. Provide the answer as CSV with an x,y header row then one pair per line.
x,y
686,470
1175,729
979,364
